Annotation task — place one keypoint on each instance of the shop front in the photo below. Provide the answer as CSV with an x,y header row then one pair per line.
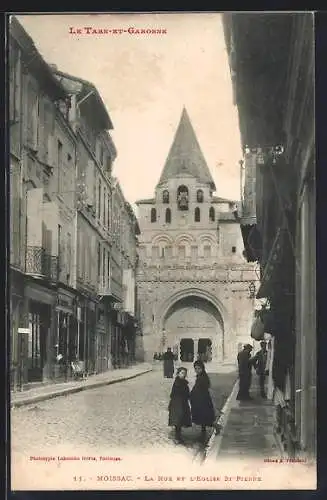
x,y
64,349
39,308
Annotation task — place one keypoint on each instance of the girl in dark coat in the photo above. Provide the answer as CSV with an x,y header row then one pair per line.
x,y
179,409
203,412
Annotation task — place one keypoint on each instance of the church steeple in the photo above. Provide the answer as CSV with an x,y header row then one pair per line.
x,y
185,155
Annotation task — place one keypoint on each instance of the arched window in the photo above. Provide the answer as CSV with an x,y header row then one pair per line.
x,y
197,214
199,196
165,196
168,216
212,214
182,198
153,215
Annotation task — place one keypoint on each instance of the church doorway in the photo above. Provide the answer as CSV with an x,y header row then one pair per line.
x,y
205,350
187,350
195,325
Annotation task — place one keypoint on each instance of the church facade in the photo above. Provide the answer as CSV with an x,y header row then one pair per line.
x,y
194,284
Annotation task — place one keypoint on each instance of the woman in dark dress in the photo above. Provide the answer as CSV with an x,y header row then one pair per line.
x,y
203,412
179,408
168,364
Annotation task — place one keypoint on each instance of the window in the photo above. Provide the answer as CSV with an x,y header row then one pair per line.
x,y
155,252
99,261
212,214
181,252
108,269
182,198
199,196
104,267
162,253
207,251
194,252
109,164
197,214
233,249
169,252
59,164
168,215
165,196
99,200
104,205
153,215
33,117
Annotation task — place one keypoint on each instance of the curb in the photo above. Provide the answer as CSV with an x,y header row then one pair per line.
x,y
73,390
215,439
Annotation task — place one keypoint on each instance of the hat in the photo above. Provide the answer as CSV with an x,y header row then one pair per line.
x,y
248,347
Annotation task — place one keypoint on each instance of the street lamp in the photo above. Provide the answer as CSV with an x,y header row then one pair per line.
x,y
252,290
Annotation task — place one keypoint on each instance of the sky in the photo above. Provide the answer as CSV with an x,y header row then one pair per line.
x,y
145,81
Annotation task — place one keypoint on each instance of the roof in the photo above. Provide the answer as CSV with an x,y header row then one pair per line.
x,y
149,201
259,54
87,87
217,199
227,217
35,62
185,155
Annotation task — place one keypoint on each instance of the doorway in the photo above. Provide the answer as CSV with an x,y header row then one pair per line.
x,y
205,350
187,350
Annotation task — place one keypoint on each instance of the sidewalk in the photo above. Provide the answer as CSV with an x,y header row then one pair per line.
x,y
247,429
50,391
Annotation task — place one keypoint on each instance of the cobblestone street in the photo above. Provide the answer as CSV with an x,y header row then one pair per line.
x,y
124,415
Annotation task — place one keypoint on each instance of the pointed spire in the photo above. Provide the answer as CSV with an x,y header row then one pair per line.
x,y
185,155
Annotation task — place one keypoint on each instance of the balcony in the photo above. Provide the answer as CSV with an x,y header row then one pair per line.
x,y
110,291
40,264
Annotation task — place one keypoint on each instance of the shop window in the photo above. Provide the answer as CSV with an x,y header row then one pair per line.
x,y
153,215
168,216
197,214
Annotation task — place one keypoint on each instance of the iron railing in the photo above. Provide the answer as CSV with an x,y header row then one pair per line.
x,y
39,262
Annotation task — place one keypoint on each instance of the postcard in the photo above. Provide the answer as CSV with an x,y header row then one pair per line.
x,y
162,251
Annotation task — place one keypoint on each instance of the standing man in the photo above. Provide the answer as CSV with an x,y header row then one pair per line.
x,y
244,370
259,362
168,363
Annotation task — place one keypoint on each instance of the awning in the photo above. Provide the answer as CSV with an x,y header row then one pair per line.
x,y
270,270
252,241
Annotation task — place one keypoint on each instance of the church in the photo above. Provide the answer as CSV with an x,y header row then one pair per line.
x,y
196,290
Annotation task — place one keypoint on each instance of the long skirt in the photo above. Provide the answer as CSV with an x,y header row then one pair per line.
x,y
244,387
179,413
168,368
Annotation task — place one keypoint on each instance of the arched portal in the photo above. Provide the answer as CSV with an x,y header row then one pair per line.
x,y
193,327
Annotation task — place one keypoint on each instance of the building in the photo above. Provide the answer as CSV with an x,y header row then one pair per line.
x,y
272,66
38,112
69,249
193,281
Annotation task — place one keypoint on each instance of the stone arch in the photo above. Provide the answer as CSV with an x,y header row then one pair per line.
x,y
180,294
184,238
162,238
210,305
207,238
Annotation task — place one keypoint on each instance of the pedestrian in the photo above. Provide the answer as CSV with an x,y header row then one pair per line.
x,y
202,409
168,364
259,362
179,408
244,371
